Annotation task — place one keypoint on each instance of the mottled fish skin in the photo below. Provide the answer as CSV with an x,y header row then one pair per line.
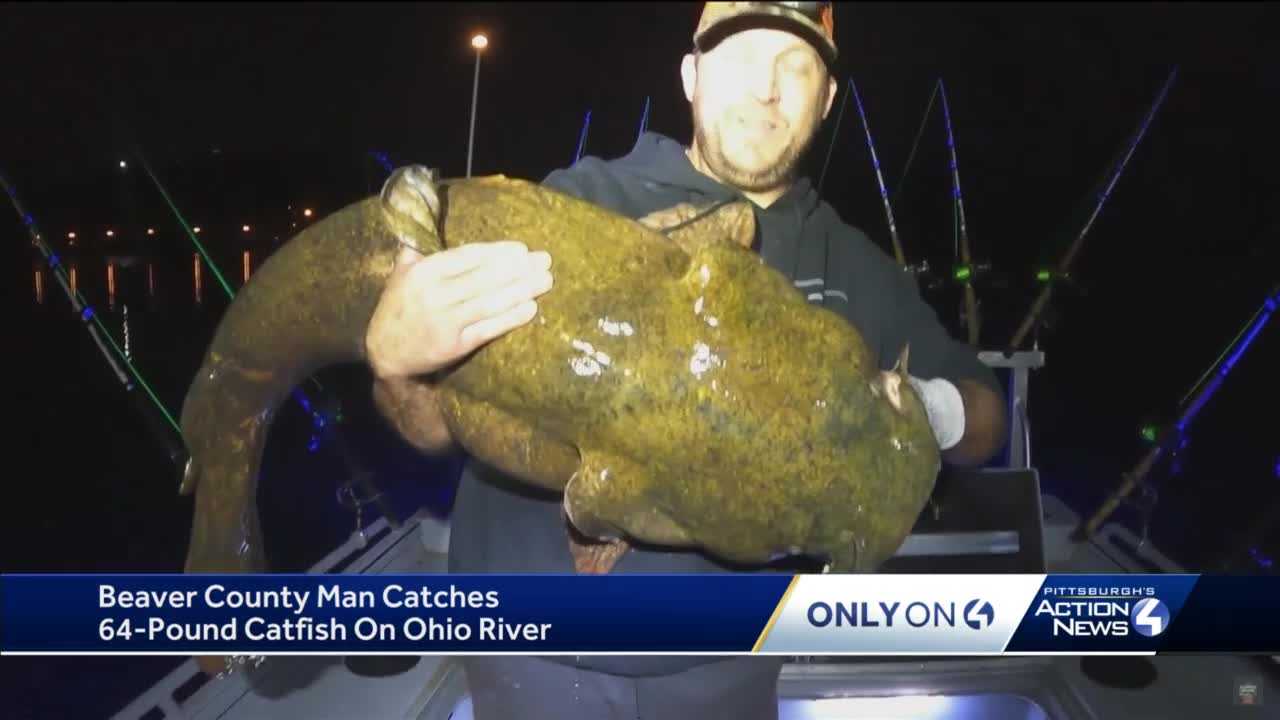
x,y
305,309
677,389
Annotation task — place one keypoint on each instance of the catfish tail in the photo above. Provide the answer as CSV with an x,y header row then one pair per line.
x,y
307,308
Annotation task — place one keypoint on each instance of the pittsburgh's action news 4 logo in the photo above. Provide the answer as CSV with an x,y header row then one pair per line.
x,y
1104,611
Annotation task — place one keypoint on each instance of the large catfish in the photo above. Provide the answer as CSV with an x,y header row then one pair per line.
x,y
675,388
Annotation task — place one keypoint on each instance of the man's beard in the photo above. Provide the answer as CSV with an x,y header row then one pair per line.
x,y
780,172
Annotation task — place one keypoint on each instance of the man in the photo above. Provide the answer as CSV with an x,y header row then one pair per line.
x,y
759,83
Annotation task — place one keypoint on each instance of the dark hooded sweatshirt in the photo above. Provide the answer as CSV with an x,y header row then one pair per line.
x,y
502,526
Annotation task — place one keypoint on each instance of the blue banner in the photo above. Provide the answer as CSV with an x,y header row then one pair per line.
x,y
257,614
727,614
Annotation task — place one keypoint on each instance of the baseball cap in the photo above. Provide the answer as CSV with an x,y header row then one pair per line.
x,y
814,21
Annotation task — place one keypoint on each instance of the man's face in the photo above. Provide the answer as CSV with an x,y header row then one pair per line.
x,y
758,98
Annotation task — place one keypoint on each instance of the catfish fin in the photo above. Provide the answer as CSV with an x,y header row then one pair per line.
x,y
411,199
900,367
584,497
733,222
667,218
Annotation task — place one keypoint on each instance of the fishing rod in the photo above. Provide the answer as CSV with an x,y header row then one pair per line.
x,y
924,120
1172,434
128,376
326,414
644,120
187,228
965,272
582,138
1064,266
875,162
835,133
921,270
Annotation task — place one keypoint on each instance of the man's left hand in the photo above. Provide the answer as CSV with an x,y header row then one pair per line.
x,y
967,418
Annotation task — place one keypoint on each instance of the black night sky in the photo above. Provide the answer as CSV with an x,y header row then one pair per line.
x,y
247,112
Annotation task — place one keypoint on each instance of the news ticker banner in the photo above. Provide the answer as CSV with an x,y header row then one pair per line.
x,y
735,614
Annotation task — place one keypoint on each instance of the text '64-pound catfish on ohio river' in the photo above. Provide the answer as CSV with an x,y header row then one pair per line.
x,y
675,388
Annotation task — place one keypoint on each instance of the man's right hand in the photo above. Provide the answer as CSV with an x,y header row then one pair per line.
x,y
438,308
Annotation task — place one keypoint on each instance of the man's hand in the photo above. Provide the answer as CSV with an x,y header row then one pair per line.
x,y
439,308
967,418
985,425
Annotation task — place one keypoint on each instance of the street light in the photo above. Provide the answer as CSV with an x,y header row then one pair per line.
x,y
479,42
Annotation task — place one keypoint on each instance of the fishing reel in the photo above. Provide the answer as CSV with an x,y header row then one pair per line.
x,y
970,274
1061,280
1174,440
358,489
925,277
1144,503
1046,315
348,498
